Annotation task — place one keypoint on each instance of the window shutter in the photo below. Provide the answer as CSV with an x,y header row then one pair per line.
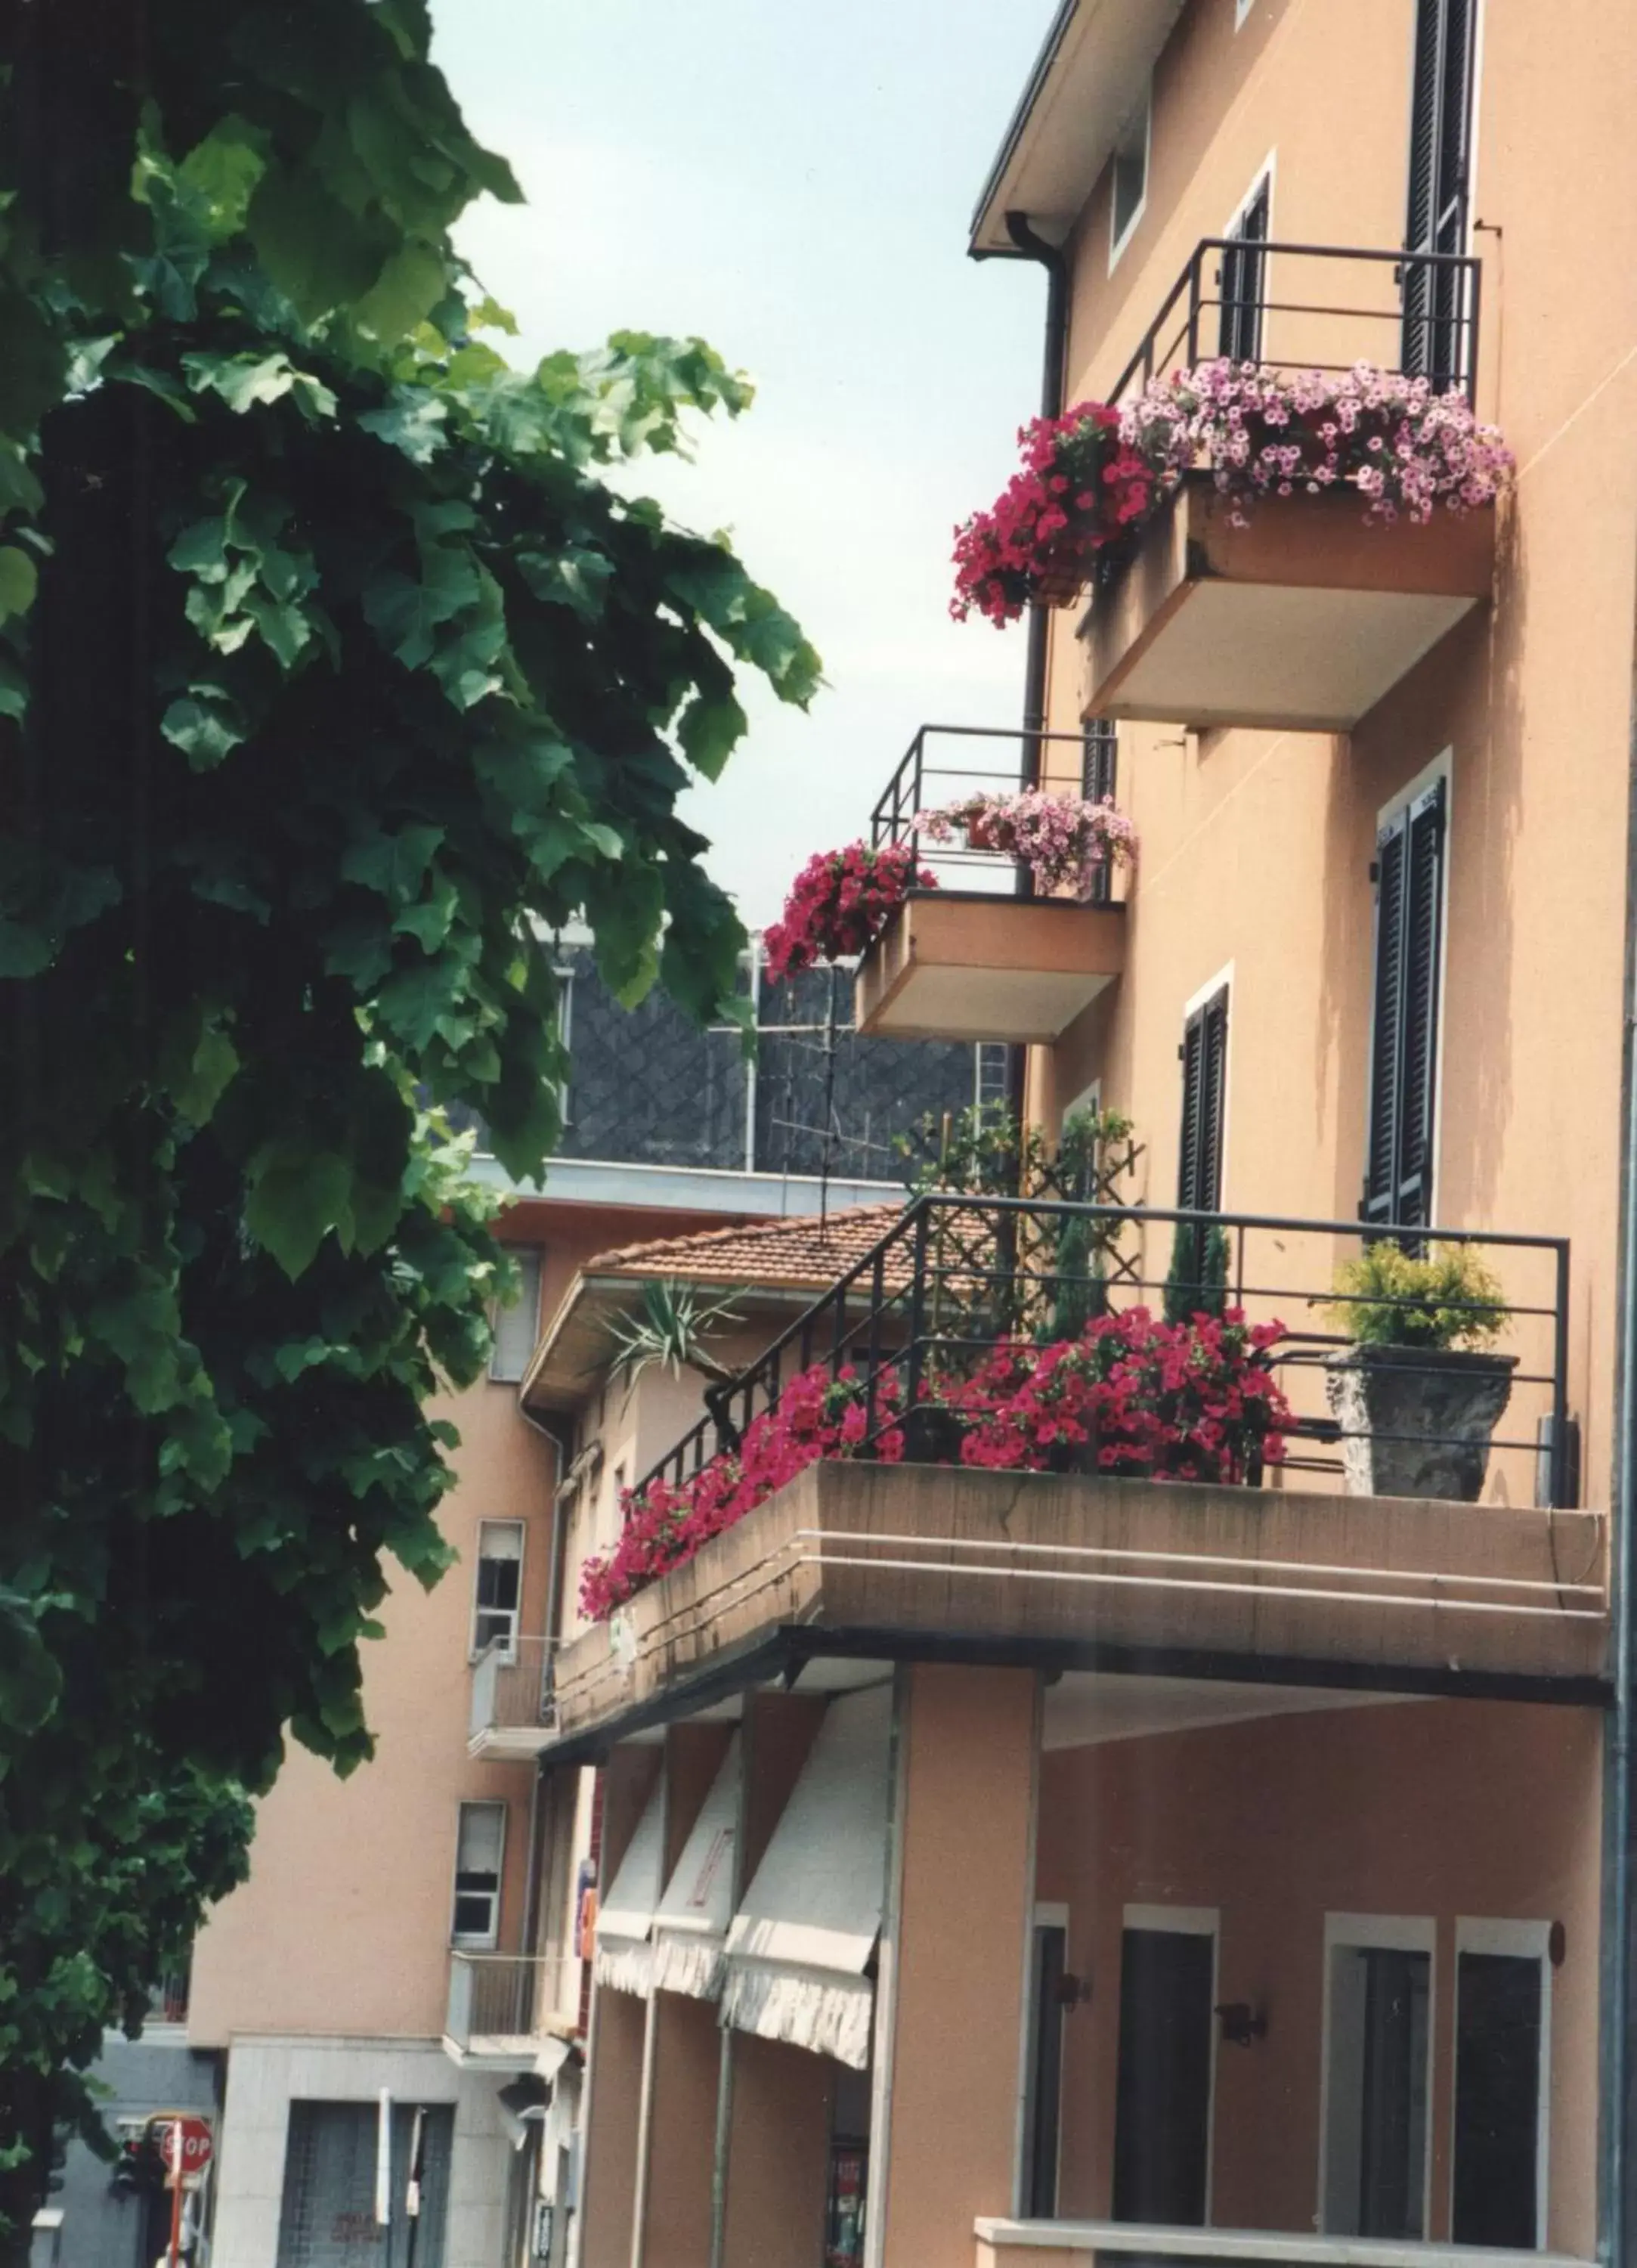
x,y
1204,1097
1404,1024
1242,288
1441,132
516,1327
1099,767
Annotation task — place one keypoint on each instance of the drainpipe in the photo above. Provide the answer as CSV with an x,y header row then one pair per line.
x,y
1616,1998
1026,245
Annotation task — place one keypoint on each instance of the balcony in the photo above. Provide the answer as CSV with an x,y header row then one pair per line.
x,y
1289,1571
978,958
1306,617
1116,2244
505,2008
510,1711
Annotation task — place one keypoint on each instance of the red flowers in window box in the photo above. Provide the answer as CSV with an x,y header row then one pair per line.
x,y
840,903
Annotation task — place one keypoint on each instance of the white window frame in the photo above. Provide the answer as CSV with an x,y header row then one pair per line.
x,y
1518,1941
1119,237
1192,1921
1442,768
509,1652
471,1940
1379,1934
529,1257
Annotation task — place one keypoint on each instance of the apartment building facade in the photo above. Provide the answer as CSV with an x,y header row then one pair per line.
x,y
1089,1867
369,2019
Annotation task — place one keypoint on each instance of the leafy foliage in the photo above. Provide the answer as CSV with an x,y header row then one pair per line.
x,y
1445,1297
334,676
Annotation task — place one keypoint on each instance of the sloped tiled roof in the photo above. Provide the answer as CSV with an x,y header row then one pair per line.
x,y
801,1252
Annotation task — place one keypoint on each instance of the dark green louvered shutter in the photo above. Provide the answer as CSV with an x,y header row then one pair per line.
x,y
1100,764
1441,135
1244,267
1204,1105
1404,1022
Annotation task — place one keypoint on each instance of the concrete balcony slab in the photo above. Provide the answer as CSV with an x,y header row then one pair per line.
x,y
1302,620
968,965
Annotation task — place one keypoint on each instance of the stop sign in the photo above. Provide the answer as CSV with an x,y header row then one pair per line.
x,y
186,2145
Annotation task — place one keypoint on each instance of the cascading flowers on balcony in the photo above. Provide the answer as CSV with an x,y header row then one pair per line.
x,y
1080,484
1405,448
1131,1394
1065,841
840,903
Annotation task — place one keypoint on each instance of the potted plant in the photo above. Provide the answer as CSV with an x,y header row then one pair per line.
x,y
840,903
1066,842
1419,1392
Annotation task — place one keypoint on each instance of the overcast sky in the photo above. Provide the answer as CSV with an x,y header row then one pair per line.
x,y
793,184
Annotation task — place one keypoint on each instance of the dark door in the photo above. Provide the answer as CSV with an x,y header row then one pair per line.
x,y
1392,2165
1244,280
1497,2100
1435,304
1043,2103
1163,2095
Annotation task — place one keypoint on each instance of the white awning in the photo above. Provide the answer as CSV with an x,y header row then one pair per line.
x,y
625,1958
802,1939
691,1926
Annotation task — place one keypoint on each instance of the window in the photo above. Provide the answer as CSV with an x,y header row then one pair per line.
x,y
1204,1104
1245,277
1502,2026
481,1844
1435,313
1241,10
1409,875
518,1326
1099,767
991,1074
1377,2075
497,1592
1129,188
1048,1991
1164,2078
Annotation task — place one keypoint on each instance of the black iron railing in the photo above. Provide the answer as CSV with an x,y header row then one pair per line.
x,y
1317,306
946,763
957,1275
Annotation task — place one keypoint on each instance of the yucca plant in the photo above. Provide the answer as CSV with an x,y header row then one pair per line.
x,y
671,1331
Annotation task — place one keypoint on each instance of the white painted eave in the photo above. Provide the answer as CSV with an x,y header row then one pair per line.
x,y
1087,80
687,1188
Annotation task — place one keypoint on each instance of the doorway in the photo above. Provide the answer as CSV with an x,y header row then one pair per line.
x,y
1501,2028
1162,2091
1378,2078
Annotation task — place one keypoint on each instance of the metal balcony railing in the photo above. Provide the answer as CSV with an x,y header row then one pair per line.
x,y
511,1686
499,1999
946,763
955,1276
1315,306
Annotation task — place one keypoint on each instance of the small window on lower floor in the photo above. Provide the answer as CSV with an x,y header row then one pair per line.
x,y
479,1849
498,1588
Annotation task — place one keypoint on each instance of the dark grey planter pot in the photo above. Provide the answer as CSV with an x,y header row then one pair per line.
x,y
1417,1421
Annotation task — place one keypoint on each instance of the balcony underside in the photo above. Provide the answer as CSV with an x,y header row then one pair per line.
x,y
961,965
1114,2244
933,1562
1301,621
508,1743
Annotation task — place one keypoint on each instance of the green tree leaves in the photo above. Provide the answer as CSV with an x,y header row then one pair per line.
x,y
334,680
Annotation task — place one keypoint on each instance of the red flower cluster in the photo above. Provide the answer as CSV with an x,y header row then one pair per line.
x,y
1080,484
666,1524
1190,1401
840,903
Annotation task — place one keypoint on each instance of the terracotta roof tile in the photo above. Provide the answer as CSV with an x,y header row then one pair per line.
x,y
803,1252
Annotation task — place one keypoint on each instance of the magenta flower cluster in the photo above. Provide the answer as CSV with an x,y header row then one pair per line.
x,y
840,903
1403,447
1132,1395
665,1523
1066,842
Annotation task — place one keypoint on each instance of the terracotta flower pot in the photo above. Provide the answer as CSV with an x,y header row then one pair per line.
x,y
1417,1421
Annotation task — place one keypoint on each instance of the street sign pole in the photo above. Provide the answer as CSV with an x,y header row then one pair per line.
x,y
174,2151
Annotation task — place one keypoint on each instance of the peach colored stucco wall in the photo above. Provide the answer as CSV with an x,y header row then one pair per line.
x,y
343,1926
967,1745
1256,846
1486,1810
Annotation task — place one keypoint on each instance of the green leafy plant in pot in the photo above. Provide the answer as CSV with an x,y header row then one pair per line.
x,y
1420,1391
